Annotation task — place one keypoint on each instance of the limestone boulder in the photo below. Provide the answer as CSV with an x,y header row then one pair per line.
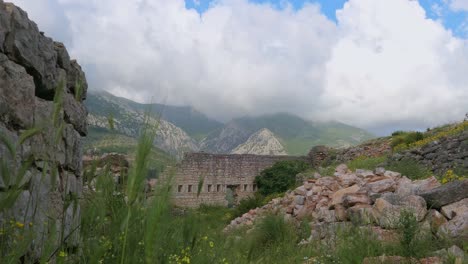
x,y
456,229
435,220
454,209
361,214
337,197
387,209
446,194
16,94
381,186
341,169
407,187
364,173
352,199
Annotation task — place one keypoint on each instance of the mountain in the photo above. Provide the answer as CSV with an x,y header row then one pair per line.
x,y
128,119
295,134
183,129
263,142
193,122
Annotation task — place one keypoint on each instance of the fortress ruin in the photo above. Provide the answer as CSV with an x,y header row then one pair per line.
x,y
222,174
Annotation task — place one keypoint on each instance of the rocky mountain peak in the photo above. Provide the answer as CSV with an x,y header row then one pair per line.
x,y
262,142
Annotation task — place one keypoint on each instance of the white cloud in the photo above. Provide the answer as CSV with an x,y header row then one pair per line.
x,y
384,63
393,65
459,5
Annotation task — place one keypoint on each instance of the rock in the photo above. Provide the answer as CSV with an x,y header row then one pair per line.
x,y
456,252
327,230
435,220
446,194
352,199
329,183
387,210
325,215
407,187
364,173
346,180
384,235
32,69
16,94
341,169
385,185
75,114
361,214
340,213
301,190
458,208
379,171
456,230
337,197
392,174
299,199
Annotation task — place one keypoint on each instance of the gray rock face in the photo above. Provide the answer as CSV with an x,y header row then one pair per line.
x,y
33,69
446,194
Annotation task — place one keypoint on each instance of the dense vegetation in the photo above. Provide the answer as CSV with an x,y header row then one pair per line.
x,y
280,177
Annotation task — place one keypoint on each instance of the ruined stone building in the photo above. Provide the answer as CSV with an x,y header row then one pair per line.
x,y
222,175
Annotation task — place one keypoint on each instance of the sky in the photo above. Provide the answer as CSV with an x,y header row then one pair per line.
x,y
381,65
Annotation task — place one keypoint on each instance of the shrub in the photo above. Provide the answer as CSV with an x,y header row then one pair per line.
x,y
409,168
249,203
397,133
405,138
450,176
280,177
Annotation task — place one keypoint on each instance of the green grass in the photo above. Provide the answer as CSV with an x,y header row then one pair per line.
x,y
367,163
410,168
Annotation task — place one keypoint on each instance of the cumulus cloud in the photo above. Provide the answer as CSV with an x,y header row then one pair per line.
x,y
383,64
393,65
459,5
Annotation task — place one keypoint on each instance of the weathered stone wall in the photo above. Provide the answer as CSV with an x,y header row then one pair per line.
x,y
219,172
441,155
33,70
323,156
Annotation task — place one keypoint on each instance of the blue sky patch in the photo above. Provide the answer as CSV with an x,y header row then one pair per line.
x,y
456,21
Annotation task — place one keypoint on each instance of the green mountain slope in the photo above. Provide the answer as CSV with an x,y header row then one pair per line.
x,y
193,122
296,134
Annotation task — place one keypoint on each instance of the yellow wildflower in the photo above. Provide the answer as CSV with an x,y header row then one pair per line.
x,y
19,225
62,254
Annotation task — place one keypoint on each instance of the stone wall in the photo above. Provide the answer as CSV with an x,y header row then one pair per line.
x,y
33,70
219,172
441,155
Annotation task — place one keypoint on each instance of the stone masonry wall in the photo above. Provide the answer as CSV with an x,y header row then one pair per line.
x,y
220,172
33,70
441,155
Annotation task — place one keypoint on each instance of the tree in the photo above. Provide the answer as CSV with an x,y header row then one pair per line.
x,y
280,177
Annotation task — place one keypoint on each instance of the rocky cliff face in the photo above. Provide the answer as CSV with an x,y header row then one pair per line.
x,y
129,121
42,120
263,142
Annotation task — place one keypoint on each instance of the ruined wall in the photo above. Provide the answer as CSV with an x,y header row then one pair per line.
x,y
33,70
446,153
220,172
